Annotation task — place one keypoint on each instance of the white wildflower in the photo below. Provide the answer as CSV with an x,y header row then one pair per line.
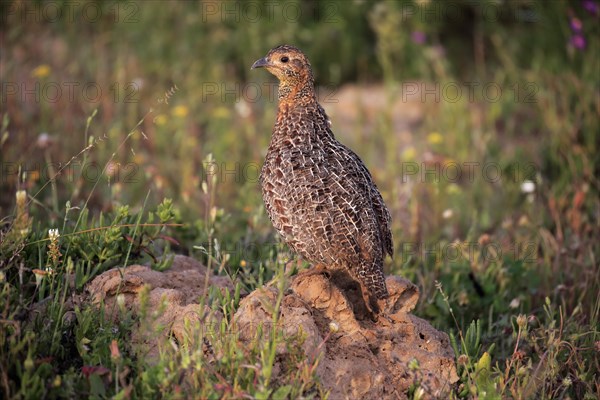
x,y
514,303
527,187
333,327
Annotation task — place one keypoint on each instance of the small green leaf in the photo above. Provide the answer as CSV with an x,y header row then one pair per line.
x,y
484,364
282,392
97,386
262,395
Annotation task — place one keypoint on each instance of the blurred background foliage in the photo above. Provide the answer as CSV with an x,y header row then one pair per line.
x,y
137,101
115,62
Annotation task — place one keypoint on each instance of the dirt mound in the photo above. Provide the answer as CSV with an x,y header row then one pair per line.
x,y
173,297
359,357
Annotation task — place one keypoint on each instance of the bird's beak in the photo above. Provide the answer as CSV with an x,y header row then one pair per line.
x,y
263,62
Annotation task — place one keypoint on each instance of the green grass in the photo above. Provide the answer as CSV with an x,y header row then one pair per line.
x,y
513,276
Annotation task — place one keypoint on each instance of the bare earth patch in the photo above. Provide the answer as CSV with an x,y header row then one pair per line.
x,y
359,357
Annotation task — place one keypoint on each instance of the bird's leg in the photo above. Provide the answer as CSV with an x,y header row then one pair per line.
x,y
372,306
383,304
377,308
382,317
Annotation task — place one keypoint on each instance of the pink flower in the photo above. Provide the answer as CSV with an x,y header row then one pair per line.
x,y
590,6
578,41
418,37
576,24
88,370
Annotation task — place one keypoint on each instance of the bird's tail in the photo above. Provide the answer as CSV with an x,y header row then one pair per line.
x,y
376,286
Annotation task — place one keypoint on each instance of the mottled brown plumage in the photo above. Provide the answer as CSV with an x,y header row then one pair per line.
x,y
318,193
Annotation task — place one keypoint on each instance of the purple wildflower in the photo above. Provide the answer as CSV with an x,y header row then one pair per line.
x,y
578,41
576,24
590,6
418,37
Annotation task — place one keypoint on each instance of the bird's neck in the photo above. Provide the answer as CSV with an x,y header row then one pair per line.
x,y
293,112
296,94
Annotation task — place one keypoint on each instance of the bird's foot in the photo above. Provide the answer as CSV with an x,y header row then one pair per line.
x,y
384,305
383,320
377,310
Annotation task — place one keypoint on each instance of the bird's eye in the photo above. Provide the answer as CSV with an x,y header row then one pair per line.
x,y
284,59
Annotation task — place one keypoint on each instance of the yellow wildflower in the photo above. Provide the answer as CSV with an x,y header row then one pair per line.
x,y
453,188
180,111
222,112
41,71
161,119
435,138
409,153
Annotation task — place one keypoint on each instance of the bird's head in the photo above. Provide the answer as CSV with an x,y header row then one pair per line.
x,y
291,67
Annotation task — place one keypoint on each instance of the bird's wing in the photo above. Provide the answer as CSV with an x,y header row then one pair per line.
x,y
382,213
385,221
383,216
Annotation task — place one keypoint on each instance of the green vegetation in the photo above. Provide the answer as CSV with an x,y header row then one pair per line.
x,y
110,110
